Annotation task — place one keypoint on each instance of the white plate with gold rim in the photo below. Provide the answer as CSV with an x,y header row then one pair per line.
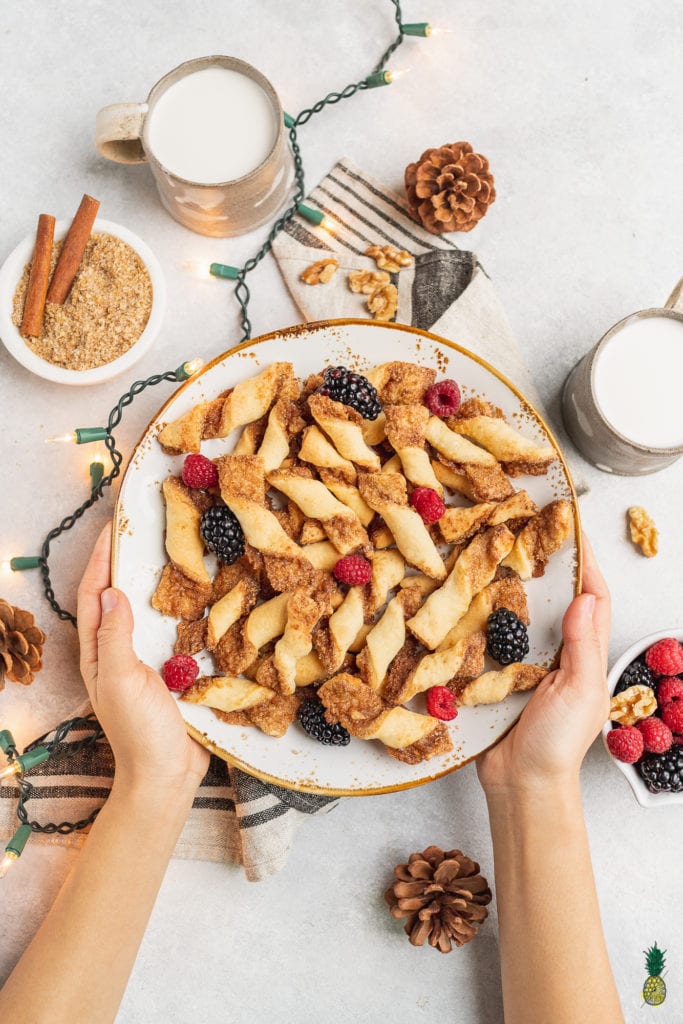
x,y
295,760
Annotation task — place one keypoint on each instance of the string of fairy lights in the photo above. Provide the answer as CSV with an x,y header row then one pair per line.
x,y
56,742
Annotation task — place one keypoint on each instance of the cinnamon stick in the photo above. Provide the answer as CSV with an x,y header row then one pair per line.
x,y
72,250
34,304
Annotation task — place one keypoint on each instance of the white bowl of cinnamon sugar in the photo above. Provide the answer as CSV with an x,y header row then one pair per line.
x,y
80,301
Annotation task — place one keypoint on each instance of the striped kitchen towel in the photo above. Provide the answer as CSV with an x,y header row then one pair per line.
x,y
235,818
445,291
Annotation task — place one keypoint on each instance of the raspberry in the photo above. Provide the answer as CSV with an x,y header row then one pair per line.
x,y
354,570
673,716
443,398
657,736
199,472
665,658
670,689
428,503
626,744
180,671
441,703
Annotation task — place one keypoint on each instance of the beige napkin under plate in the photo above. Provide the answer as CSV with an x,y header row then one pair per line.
x,y
445,291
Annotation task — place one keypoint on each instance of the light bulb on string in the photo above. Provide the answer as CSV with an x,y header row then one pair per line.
x,y
96,470
198,268
15,848
422,28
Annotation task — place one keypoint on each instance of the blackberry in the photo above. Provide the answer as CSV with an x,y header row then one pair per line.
x,y
351,389
311,714
507,638
222,533
663,773
637,673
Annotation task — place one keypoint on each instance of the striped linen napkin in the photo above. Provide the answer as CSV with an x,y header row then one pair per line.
x,y
235,818
445,291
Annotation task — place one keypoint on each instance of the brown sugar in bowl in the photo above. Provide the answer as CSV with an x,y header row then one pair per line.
x,y
10,276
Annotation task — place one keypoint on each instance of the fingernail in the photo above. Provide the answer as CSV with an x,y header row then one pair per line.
x,y
587,605
109,600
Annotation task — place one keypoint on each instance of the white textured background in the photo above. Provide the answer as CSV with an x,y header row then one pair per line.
x,y
578,108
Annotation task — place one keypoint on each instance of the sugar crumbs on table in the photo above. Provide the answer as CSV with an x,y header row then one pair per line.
x,y
105,313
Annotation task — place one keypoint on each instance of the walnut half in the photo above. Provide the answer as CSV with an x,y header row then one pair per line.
x,y
644,533
366,281
383,302
320,272
388,257
632,705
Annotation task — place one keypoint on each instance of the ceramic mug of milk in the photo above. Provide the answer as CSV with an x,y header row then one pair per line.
x,y
213,134
622,403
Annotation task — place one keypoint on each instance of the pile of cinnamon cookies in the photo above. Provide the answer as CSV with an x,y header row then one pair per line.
x,y
311,483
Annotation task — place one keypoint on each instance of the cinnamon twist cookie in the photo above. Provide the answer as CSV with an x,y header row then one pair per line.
x,y
406,430
487,479
493,687
246,402
387,494
340,523
474,568
407,736
344,427
486,425
541,537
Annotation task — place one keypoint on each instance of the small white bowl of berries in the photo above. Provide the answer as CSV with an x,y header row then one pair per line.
x,y
644,733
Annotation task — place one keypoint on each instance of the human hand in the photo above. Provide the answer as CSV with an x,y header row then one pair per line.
x,y
138,714
569,706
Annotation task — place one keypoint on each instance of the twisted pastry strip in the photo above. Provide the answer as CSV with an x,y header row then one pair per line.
x,y
406,429
458,524
242,484
184,543
246,402
316,449
504,593
384,641
284,423
486,424
231,607
464,660
387,494
279,672
343,626
474,568
226,693
493,687
388,569
400,383
348,494
541,537
344,426
339,522
406,735
488,482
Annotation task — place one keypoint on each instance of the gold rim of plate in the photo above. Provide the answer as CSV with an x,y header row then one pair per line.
x,y
297,330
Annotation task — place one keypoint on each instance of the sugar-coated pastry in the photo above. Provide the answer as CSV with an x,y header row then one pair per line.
x,y
284,423
475,567
542,536
344,426
319,451
184,544
400,383
406,430
463,661
486,425
233,606
340,523
495,686
507,592
387,494
226,693
333,641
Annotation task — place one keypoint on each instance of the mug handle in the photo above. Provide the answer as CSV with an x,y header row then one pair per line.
x,y
118,130
675,300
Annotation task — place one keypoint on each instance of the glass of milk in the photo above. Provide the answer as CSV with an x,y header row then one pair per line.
x,y
213,134
622,402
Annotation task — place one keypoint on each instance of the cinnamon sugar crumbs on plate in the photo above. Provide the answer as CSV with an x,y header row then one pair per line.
x,y
105,313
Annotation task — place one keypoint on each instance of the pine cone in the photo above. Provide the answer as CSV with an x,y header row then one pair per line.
x,y
449,188
443,896
21,645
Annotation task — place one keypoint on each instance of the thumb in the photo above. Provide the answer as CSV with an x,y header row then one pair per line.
x,y
115,654
581,652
